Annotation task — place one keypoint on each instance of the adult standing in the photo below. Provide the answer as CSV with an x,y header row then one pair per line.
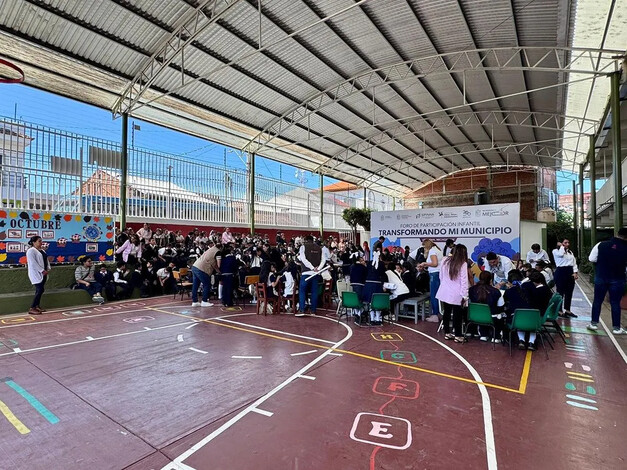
x,y
453,291
499,266
202,270
313,260
537,254
38,268
433,261
378,244
565,274
611,260
145,233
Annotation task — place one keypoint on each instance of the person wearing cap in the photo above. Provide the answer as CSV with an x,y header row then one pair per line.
x,y
610,258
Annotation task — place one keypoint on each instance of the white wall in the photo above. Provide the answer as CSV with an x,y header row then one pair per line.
x,y
530,233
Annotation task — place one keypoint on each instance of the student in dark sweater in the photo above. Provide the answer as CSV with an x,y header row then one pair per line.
x,y
358,274
538,295
485,293
228,268
611,260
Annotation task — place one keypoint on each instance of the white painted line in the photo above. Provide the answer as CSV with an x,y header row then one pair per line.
x,y
272,331
262,412
78,317
255,404
192,325
607,330
198,350
335,354
17,350
179,338
305,352
308,377
89,338
246,357
485,399
147,328
52,346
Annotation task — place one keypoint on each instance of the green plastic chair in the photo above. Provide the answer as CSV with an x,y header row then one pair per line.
x,y
350,300
381,302
528,320
480,314
552,314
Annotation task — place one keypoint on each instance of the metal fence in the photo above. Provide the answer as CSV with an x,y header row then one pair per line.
x,y
48,169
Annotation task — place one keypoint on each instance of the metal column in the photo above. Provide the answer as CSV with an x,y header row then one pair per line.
x,y
580,213
365,198
251,191
123,171
575,242
616,151
593,193
321,207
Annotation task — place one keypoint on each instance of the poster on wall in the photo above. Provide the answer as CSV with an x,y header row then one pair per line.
x,y
65,236
484,228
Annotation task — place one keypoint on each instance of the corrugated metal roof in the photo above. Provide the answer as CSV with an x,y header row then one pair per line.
x,y
297,91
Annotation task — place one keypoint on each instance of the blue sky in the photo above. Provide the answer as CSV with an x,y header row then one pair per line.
x,y
33,105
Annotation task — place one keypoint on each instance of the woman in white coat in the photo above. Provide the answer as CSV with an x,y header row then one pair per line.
x,y
38,267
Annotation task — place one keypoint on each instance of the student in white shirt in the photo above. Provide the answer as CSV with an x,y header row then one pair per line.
x,y
434,259
536,254
38,267
499,266
565,274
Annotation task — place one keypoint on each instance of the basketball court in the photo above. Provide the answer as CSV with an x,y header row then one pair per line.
x,y
158,384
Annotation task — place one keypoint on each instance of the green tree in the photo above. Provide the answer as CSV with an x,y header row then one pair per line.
x,y
561,229
355,216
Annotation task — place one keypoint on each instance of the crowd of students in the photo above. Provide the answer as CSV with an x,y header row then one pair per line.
x,y
221,261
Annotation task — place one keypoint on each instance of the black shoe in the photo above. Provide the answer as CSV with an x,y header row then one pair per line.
x,y
522,346
570,315
531,347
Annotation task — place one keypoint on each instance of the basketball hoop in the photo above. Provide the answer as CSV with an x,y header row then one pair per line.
x,y
4,79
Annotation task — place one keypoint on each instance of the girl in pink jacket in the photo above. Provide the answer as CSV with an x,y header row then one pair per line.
x,y
453,291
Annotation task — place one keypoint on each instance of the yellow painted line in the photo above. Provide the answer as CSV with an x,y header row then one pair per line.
x,y
525,373
8,414
581,379
343,351
578,374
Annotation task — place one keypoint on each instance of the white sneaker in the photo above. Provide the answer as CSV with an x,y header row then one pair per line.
x,y
206,304
496,340
593,326
619,331
483,338
433,319
195,304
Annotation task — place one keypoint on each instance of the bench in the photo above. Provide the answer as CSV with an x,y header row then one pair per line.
x,y
418,307
19,302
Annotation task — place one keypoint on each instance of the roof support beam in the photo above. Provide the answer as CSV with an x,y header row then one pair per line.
x,y
538,59
191,25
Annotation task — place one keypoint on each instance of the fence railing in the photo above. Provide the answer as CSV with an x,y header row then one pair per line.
x,y
48,169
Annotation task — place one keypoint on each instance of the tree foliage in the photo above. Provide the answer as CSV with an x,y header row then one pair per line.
x,y
355,216
561,229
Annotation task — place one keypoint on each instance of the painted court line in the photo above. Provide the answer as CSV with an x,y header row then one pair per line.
x,y
32,401
485,399
304,352
521,390
179,460
90,338
246,357
8,414
52,346
271,330
192,325
179,338
198,350
607,330
147,328
78,317
335,354
308,377
263,412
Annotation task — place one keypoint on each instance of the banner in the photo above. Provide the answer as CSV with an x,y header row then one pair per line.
x,y
484,228
65,236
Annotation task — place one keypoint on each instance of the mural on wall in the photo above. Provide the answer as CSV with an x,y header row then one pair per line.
x,y
65,236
